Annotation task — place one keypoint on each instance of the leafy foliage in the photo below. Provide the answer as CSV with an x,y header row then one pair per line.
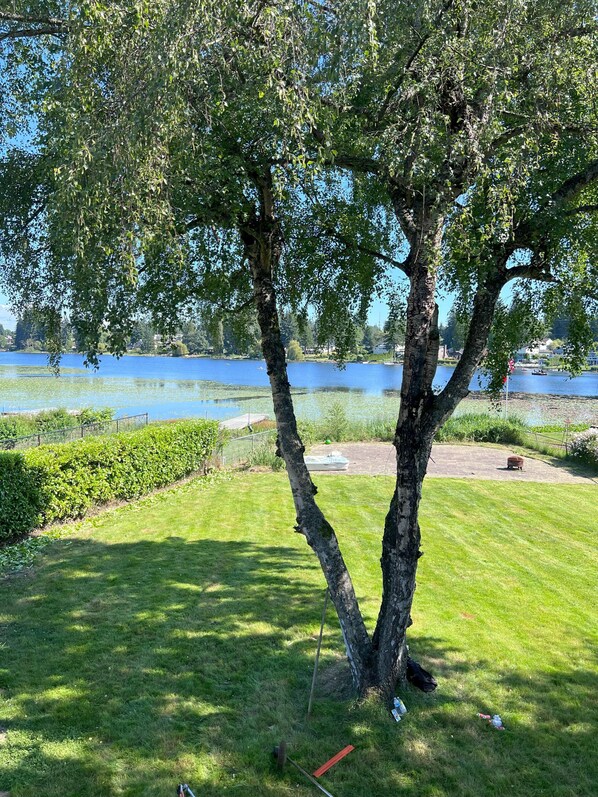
x,y
394,327
52,483
22,554
179,349
336,423
584,446
92,415
294,351
22,425
264,456
485,111
482,428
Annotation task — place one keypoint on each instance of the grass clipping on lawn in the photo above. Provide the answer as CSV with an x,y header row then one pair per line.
x,y
173,641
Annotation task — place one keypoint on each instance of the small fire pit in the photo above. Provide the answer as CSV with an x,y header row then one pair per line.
x,y
515,463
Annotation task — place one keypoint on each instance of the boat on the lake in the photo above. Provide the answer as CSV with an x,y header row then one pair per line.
x,y
332,461
540,372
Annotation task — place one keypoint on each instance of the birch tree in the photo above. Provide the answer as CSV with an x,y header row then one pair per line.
x,y
240,156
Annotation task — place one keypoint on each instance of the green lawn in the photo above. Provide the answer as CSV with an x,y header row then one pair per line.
x,y
174,640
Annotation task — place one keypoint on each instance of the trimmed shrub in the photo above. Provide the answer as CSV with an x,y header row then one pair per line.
x,y
20,496
50,483
584,446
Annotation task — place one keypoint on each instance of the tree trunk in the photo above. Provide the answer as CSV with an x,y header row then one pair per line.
x,y
378,663
261,241
420,415
413,442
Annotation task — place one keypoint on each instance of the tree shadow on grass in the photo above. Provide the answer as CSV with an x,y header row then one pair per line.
x,y
136,662
131,667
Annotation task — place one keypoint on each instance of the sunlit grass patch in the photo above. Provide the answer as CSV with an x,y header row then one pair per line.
x,y
173,640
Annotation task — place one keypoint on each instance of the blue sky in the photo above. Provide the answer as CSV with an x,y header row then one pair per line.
x,y
7,319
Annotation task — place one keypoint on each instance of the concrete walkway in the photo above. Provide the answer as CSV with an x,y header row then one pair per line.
x,y
463,462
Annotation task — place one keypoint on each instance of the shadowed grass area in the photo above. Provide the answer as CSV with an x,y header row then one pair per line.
x,y
173,640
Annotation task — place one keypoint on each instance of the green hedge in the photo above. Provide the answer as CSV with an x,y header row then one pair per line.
x,y
50,483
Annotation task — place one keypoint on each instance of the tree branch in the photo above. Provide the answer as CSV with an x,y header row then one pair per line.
x,y
400,264
50,26
33,20
411,60
357,163
571,187
532,272
581,209
238,308
29,32
477,336
432,352
575,33
504,138
403,212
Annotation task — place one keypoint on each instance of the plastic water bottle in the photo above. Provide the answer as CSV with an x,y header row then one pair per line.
x,y
496,721
400,706
396,715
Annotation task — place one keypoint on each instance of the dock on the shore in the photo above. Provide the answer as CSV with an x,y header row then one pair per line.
x,y
243,421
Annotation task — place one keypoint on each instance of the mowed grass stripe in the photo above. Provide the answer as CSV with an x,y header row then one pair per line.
x,y
174,640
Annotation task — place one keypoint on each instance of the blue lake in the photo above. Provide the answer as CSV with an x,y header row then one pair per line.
x,y
169,387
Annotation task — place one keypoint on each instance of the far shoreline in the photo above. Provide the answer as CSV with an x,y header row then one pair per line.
x,y
325,360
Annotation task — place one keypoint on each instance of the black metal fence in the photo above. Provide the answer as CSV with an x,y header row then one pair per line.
x,y
70,433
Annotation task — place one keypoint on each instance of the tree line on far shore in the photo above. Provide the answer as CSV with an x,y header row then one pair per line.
x,y
222,335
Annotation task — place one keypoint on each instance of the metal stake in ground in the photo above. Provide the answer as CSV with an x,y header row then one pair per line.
x,y
280,754
313,680
182,789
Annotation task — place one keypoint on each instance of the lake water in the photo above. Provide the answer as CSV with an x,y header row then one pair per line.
x,y
170,387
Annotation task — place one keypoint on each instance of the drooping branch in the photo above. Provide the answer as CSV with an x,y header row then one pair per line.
x,y
403,71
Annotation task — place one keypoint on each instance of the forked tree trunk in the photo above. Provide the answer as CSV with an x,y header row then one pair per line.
x,y
379,662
